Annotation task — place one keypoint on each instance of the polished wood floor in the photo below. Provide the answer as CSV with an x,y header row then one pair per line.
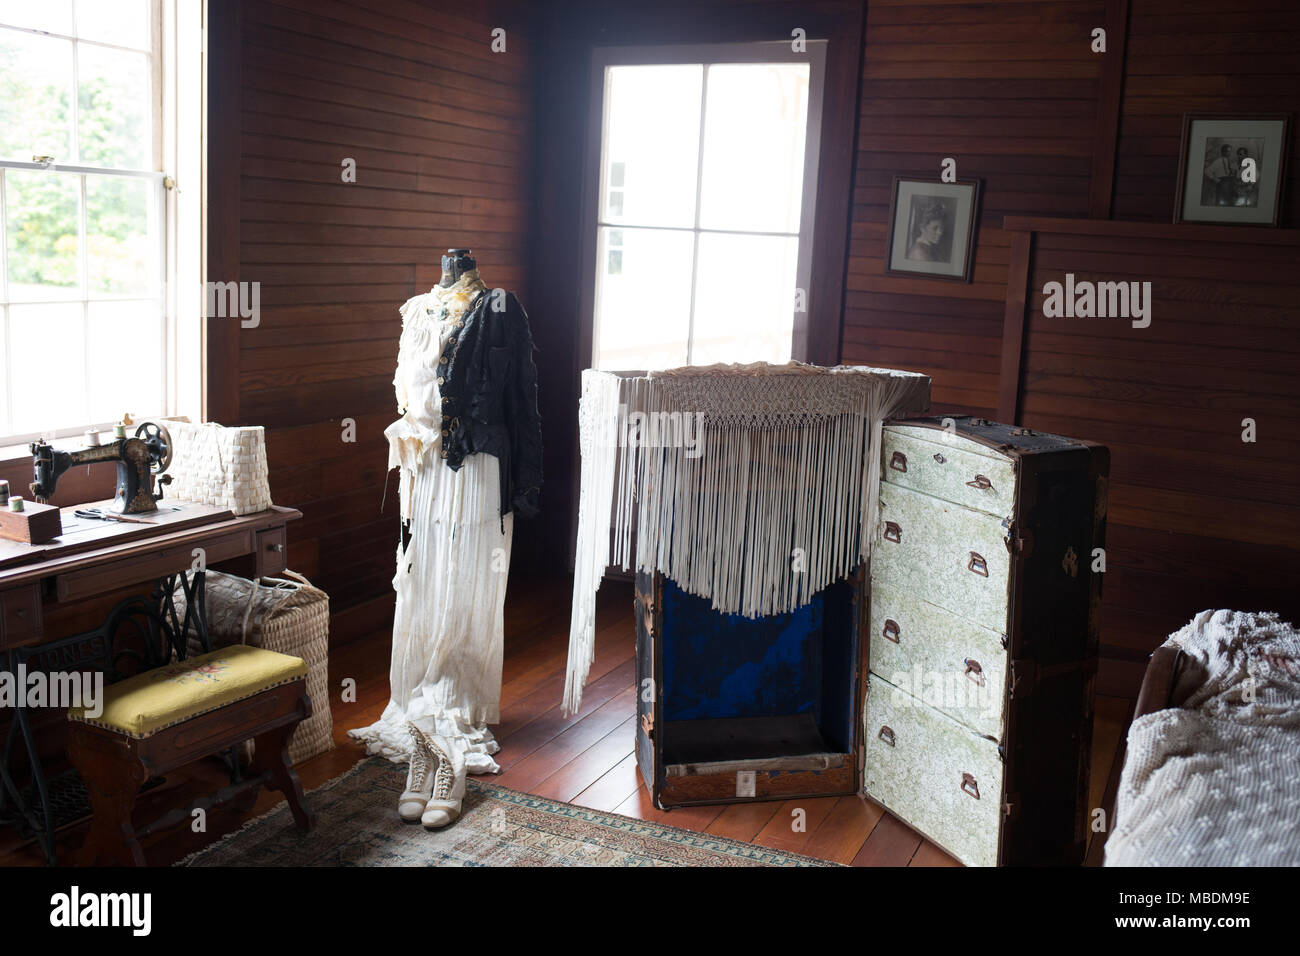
x,y
586,760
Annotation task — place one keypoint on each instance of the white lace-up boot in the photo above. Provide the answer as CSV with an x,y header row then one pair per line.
x,y
419,778
444,803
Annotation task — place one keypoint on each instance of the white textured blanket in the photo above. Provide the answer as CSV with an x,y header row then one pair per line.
x,y
1215,779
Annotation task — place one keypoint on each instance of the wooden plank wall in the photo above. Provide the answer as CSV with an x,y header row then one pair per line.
x,y
1198,517
1193,56
440,127
1009,90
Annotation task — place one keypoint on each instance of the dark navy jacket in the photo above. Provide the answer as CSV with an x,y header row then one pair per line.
x,y
488,382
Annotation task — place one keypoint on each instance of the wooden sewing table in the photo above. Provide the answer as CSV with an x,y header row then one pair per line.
x,y
93,558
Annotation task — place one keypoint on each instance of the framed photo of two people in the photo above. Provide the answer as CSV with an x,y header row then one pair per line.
x,y
1231,168
932,228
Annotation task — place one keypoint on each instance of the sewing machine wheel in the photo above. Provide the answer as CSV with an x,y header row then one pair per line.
x,y
160,445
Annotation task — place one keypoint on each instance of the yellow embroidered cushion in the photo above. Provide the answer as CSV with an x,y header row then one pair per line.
x,y
141,706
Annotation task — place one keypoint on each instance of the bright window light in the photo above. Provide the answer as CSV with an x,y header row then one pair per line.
x,y
86,148
701,213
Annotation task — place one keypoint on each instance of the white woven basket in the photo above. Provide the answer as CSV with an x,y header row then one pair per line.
x,y
216,465
287,616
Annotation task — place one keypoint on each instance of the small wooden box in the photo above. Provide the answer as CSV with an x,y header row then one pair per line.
x,y
35,524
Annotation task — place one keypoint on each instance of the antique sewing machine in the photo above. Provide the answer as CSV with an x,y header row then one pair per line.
x,y
139,459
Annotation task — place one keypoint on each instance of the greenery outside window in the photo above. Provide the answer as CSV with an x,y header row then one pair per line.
x,y
88,330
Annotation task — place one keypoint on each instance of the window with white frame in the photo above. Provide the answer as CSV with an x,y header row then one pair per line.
x,y
705,211
89,254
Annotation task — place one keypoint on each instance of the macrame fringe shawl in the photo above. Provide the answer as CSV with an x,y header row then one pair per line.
x,y
750,486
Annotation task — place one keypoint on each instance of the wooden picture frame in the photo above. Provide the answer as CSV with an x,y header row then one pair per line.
x,y
1225,196
932,227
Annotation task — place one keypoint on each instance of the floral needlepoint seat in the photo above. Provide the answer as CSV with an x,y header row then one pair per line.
x,y
180,709
141,706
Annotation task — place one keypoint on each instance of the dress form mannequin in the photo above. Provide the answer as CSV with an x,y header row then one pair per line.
x,y
454,265
452,565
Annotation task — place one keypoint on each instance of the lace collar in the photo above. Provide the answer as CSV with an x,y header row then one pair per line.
x,y
452,301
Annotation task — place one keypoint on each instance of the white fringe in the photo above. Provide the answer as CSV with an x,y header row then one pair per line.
x,y
769,503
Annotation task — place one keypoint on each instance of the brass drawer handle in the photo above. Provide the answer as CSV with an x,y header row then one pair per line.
x,y
886,734
978,564
974,672
969,786
898,462
980,482
890,632
893,532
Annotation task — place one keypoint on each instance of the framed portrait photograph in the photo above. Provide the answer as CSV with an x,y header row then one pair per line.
x,y
1231,168
932,228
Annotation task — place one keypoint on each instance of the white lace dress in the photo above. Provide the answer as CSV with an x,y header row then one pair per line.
x,y
451,577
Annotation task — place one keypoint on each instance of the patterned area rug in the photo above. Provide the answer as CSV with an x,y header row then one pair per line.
x,y
357,825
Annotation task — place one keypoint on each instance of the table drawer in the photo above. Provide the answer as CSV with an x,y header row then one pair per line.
x,y
933,773
149,565
952,468
953,665
271,547
951,556
20,610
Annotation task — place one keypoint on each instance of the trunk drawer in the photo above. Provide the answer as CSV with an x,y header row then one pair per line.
x,y
953,665
933,773
954,469
953,556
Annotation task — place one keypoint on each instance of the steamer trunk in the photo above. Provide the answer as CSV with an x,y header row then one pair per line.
x,y
953,684
983,637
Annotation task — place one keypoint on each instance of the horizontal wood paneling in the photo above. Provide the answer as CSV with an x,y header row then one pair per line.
x,y
1198,518
1010,92
440,128
1194,59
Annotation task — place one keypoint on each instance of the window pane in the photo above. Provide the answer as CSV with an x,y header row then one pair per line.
x,y
41,234
755,124
123,22
114,123
45,341
52,16
643,304
121,256
651,149
744,298
4,384
35,97
125,350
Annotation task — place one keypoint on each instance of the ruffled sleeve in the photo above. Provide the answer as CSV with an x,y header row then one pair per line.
x,y
408,443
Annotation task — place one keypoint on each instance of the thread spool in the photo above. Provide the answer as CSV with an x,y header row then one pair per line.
x,y
4,492
15,504
119,430
92,438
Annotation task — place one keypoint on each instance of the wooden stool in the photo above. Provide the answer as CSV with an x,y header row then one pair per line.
x,y
176,714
